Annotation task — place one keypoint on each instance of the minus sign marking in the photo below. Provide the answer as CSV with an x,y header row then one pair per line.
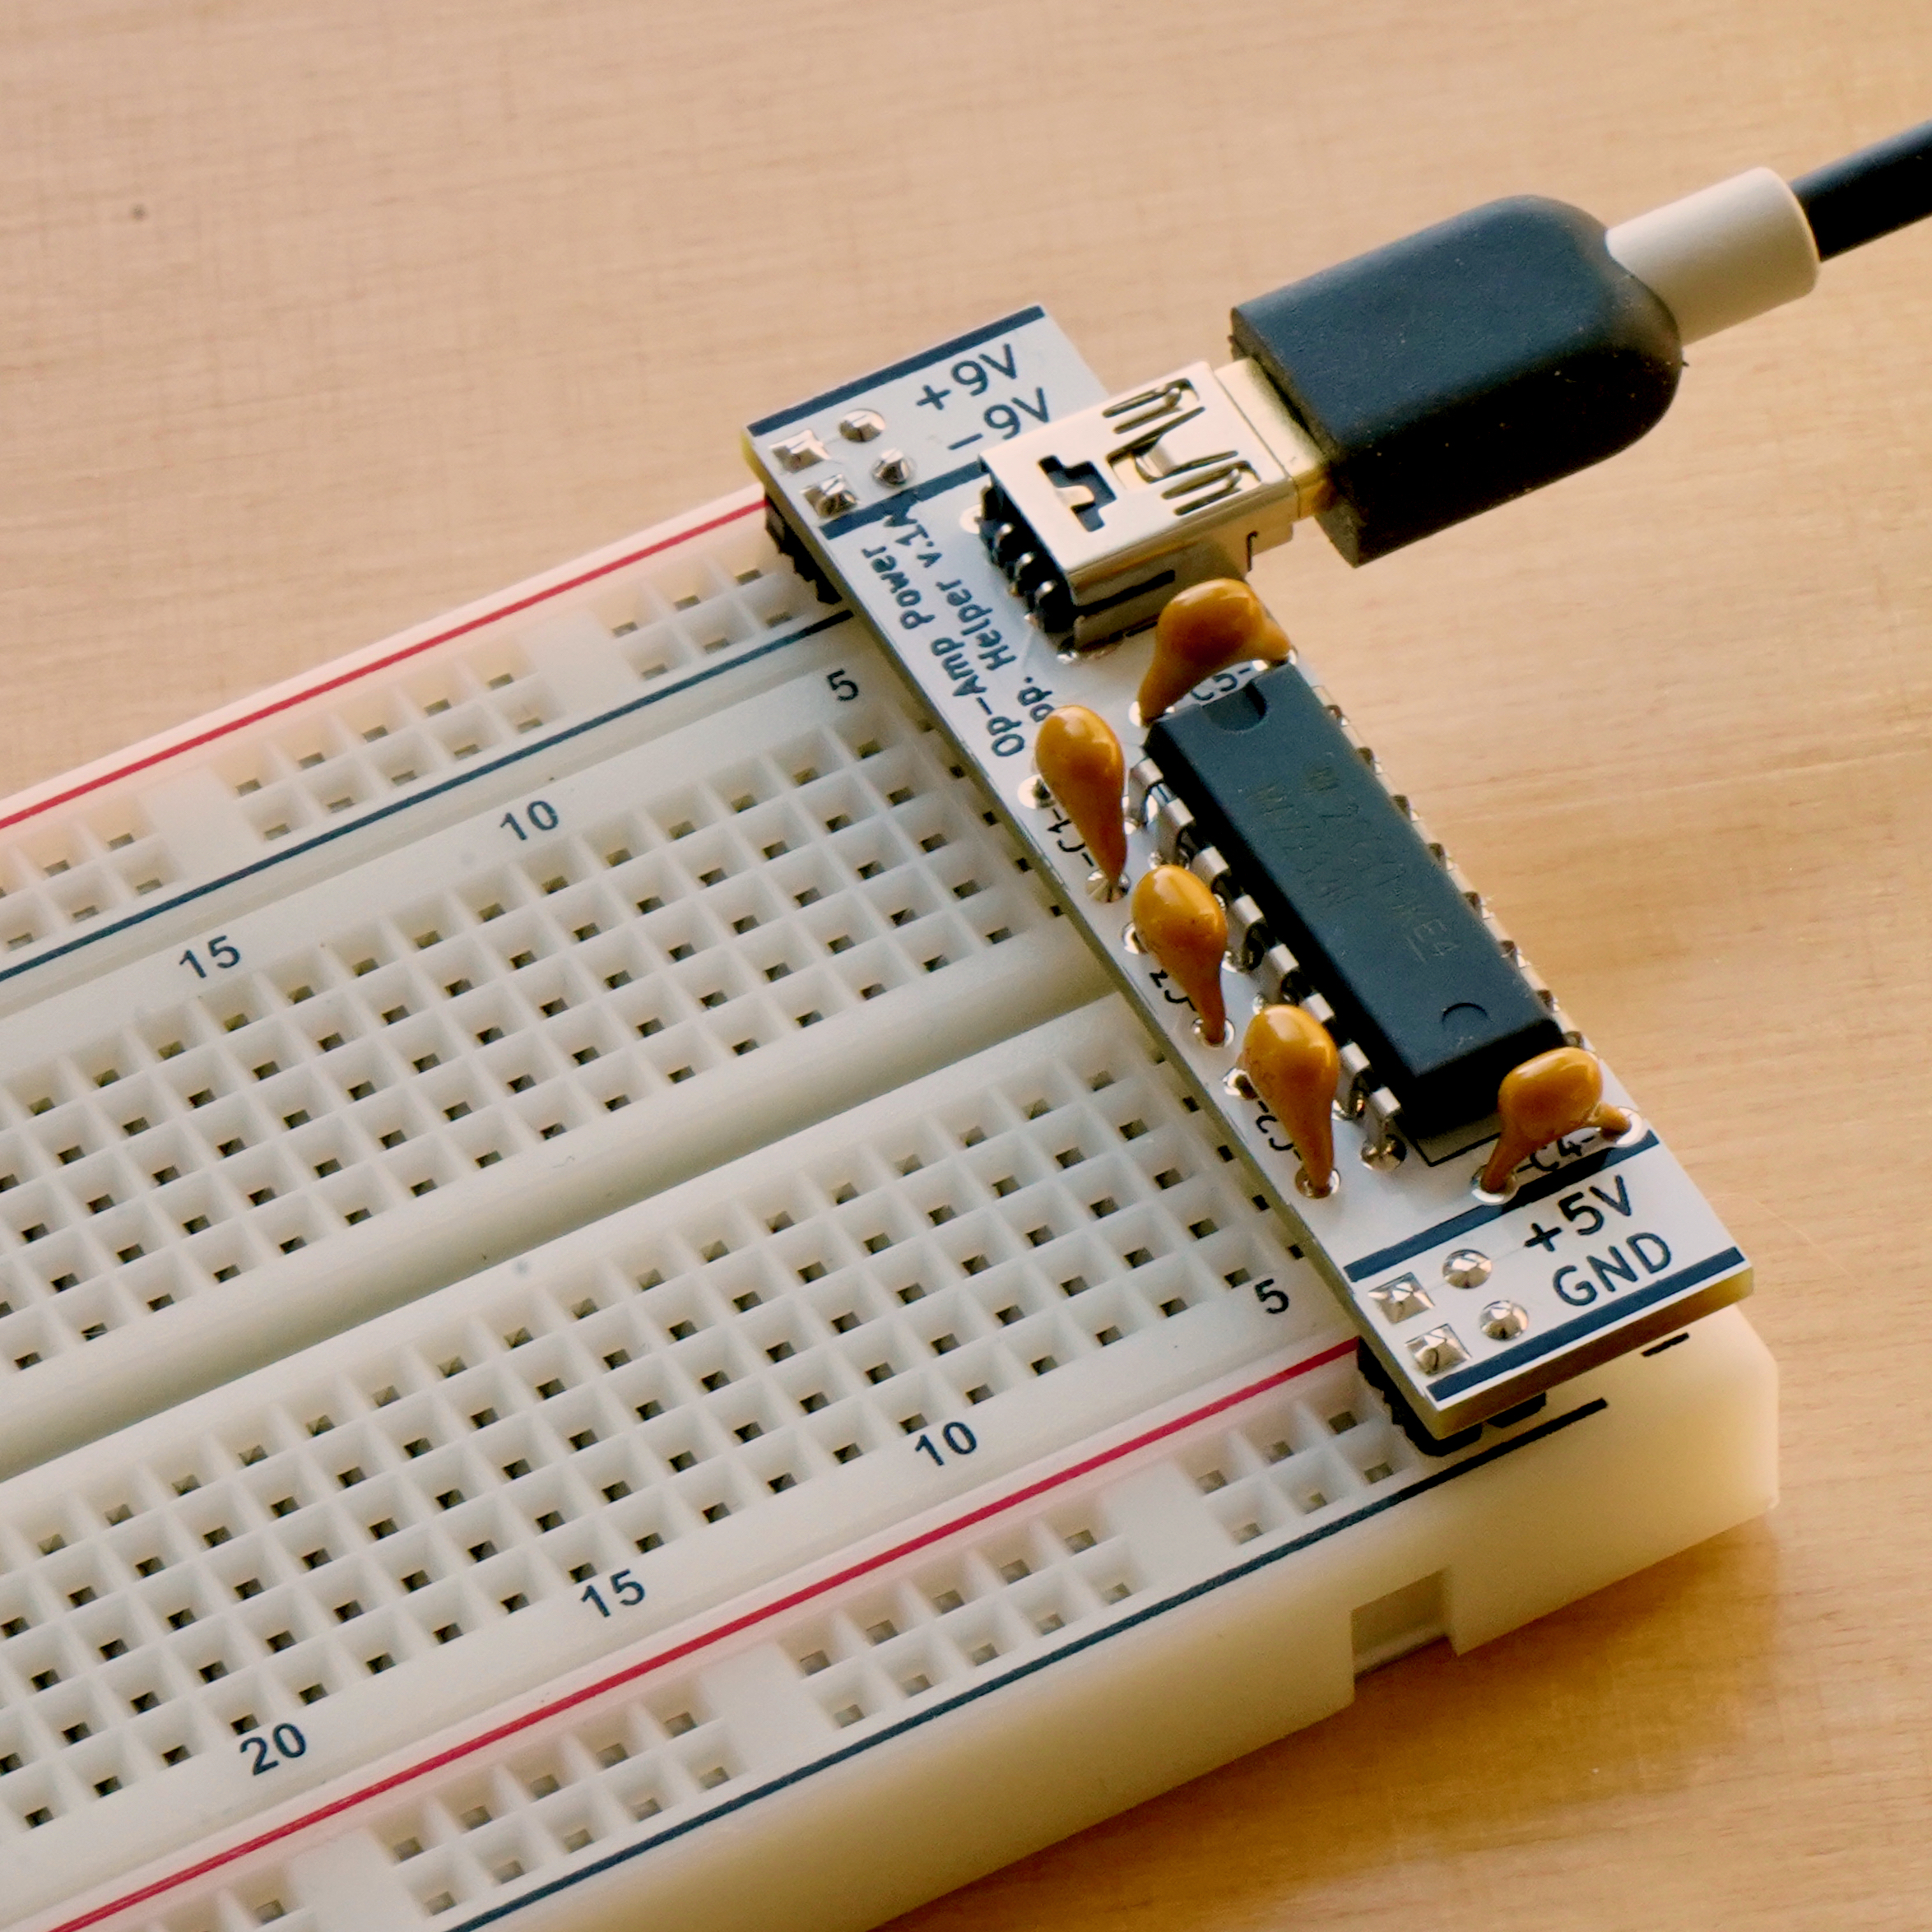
x,y
984,706
964,440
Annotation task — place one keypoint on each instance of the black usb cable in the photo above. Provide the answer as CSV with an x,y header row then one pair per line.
x,y
1877,191
1416,386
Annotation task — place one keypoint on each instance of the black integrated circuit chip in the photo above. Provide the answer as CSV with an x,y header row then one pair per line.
x,y
1345,881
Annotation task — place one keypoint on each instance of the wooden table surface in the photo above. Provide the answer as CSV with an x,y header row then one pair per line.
x,y
315,320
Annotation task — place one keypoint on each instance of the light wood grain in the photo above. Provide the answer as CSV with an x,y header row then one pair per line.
x,y
315,320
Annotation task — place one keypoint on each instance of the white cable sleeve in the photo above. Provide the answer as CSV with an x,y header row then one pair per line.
x,y
1724,254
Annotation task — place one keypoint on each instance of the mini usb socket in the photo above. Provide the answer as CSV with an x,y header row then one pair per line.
x,y
1097,518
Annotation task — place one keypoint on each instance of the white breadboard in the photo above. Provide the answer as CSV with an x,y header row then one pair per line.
x,y
949,1451
402,1070
162,839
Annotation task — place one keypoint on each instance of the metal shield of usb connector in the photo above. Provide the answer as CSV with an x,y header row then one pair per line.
x,y
1097,518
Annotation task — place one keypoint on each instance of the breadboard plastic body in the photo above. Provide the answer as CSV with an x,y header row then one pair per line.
x,y
992,1423
429,1058
848,1464
164,839
1604,1249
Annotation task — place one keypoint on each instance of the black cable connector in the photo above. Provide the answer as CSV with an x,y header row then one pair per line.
x,y
1416,386
1462,366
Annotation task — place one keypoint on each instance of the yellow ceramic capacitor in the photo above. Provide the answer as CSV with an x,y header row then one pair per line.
x,y
1181,923
1203,629
1558,1093
1292,1064
1081,762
